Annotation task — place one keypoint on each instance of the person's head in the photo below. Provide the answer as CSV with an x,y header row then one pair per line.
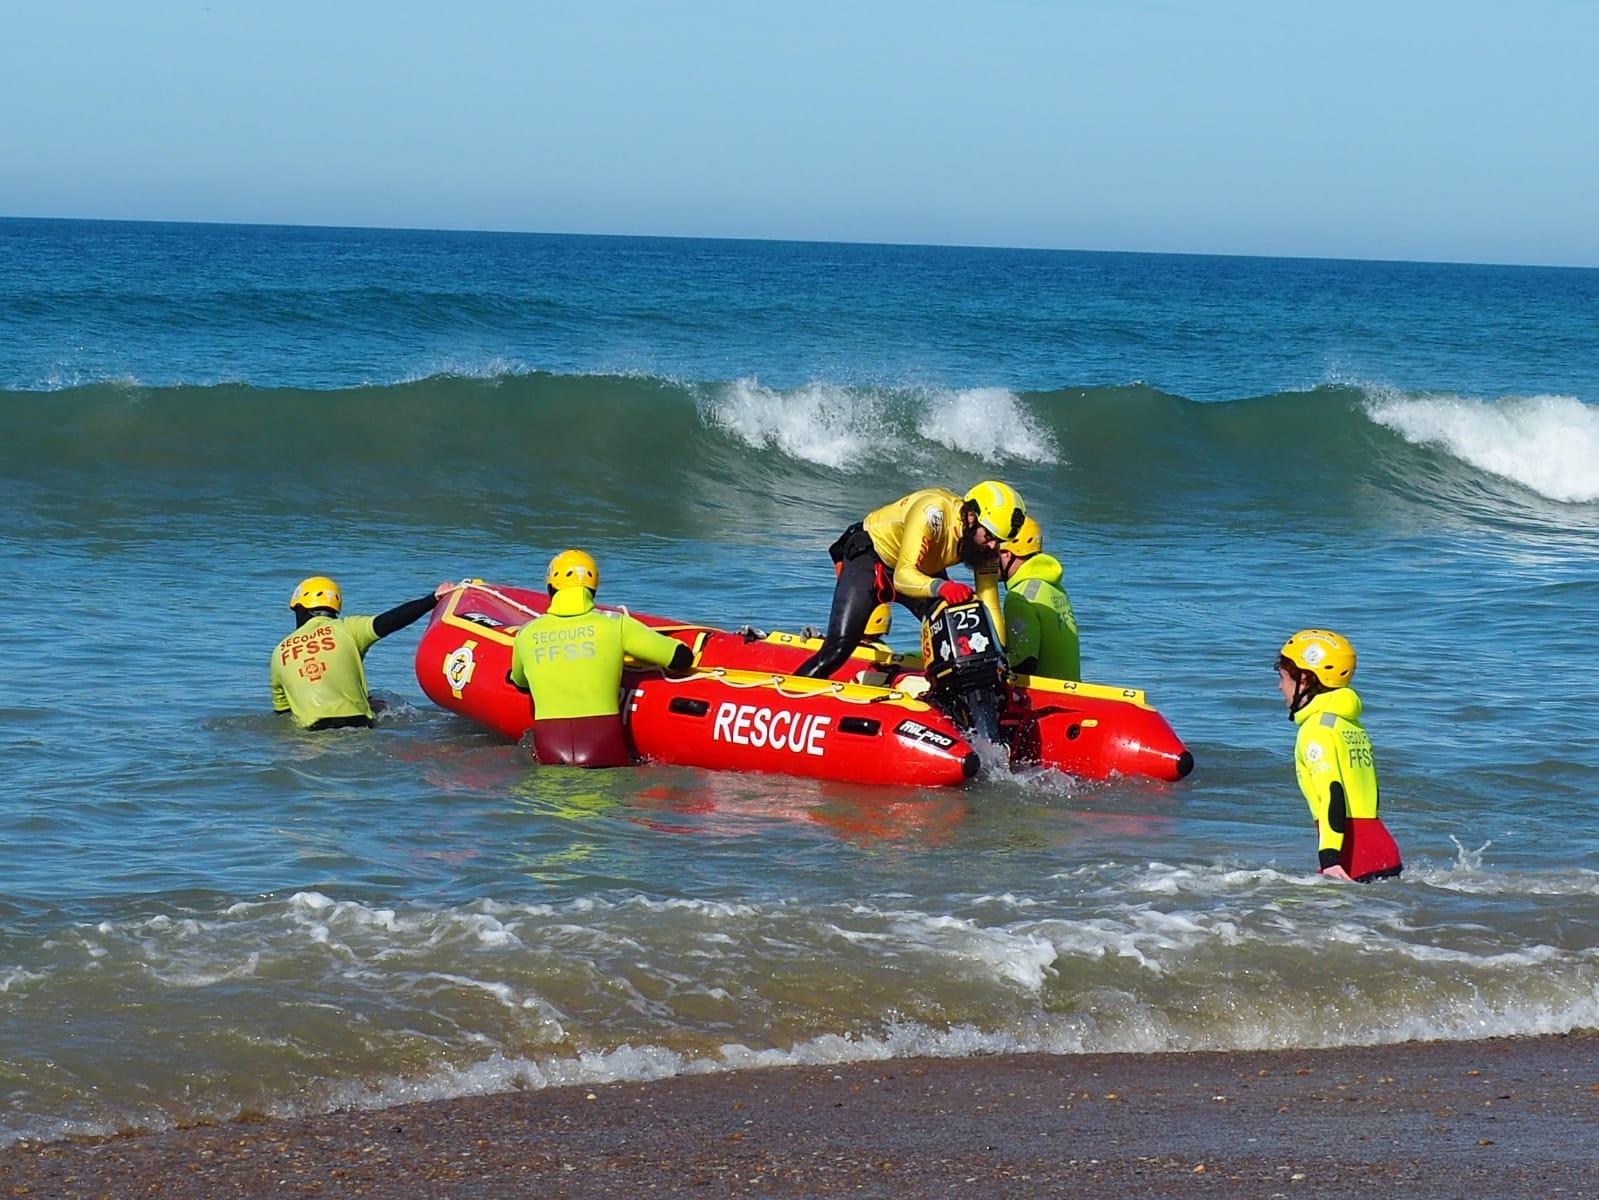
x,y
1311,662
572,569
1029,540
316,596
991,513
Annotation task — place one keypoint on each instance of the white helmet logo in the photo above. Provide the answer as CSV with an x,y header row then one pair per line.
x,y
1314,653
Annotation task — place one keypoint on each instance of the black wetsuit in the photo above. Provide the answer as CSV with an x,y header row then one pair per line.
x,y
864,582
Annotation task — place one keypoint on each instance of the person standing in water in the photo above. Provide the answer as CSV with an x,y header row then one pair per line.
x,y
318,671
570,662
1332,757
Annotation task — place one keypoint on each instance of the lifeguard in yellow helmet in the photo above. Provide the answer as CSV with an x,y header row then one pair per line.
x,y
570,661
1333,758
1040,627
903,551
318,674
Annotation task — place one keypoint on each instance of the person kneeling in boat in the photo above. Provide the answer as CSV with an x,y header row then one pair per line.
x,y
570,662
902,552
1040,628
1332,757
318,672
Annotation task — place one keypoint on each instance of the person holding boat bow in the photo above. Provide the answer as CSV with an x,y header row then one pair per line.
x,y
903,551
318,673
1332,757
570,662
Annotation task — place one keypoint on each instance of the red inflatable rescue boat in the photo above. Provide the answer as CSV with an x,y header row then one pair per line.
x,y
741,710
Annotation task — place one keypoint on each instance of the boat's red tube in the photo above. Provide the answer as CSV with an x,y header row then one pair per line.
x,y
718,718
1084,729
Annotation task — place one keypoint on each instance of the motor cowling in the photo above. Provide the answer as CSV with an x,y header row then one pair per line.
x,y
966,668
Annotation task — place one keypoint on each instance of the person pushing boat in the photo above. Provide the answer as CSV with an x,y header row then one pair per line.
x,y
1040,627
569,661
318,671
903,551
1332,757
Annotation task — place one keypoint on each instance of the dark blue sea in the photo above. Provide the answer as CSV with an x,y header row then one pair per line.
x,y
204,912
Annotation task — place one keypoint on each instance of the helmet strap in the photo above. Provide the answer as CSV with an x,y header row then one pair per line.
x,y
1304,691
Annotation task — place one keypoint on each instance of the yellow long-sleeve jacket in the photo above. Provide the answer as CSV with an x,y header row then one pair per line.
x,y
919,536
1334,765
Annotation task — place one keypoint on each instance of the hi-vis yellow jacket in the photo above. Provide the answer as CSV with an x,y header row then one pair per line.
x,y
1332,749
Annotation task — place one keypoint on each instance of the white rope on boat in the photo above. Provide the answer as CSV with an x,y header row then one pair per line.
x,y
773,682
497,594
506,600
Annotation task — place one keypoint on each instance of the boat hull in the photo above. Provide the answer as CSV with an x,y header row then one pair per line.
x,y
743,710
718,718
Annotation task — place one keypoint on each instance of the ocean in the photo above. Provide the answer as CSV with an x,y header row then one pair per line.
x,y
205,913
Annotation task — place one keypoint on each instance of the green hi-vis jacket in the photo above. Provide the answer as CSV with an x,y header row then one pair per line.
x,y
1332,759
317,670
1039,622
570,659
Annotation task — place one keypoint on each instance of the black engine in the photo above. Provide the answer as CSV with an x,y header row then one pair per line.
x,y
966,666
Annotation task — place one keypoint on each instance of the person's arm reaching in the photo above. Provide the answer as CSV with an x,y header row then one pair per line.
x,y
643,643
914,543
401,615
988,592
517,675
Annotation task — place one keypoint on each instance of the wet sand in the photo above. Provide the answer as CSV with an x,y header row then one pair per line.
x,y
1500,1118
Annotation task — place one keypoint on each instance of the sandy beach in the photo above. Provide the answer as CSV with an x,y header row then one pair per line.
x,y
1504,1118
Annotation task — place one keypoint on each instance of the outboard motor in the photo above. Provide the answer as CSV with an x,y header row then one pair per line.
x,y
965,664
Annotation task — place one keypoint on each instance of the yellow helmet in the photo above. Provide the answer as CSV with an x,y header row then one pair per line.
x,y
1029,539
1325,654
573,568
317,592
999,509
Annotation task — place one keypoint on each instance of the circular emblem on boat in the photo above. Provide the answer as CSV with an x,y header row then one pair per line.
x,y
459,665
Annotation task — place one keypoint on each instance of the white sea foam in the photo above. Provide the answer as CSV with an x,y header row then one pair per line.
x,y
1574,881
821,423
848,427
488,369
988,423
1018,957
16,977
1164,957
1113,1022
1549,444
64,377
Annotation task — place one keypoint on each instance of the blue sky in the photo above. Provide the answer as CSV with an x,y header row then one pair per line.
x,y
1459,131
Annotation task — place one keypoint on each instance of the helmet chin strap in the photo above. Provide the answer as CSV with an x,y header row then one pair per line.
x,y
1302,694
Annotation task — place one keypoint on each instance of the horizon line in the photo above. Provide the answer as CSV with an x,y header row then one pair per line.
x,y
795,241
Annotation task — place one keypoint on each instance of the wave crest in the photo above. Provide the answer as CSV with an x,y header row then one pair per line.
x,y
832,425
1548,444
820,423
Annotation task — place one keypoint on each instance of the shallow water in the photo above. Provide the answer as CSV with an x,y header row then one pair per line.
x,y
204,912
